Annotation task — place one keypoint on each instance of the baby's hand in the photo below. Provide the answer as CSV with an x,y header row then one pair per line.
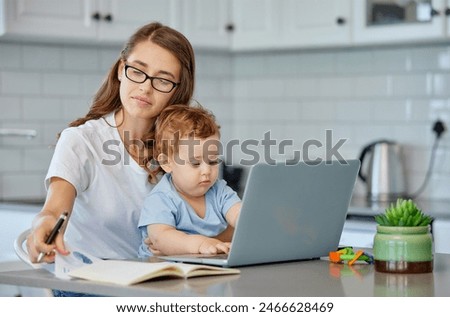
x,y
214,246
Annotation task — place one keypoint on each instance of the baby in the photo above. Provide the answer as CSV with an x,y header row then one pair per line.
x,y
189,206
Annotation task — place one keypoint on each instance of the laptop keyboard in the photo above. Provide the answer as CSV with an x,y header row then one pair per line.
x,y
221,256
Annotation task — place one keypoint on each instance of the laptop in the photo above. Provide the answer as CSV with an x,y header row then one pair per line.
x,y
289,213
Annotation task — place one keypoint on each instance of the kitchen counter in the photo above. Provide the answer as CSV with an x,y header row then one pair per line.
x,y
360,226
299,279
360,206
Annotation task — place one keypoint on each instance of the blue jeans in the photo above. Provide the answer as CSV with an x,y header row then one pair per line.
x,y
59,293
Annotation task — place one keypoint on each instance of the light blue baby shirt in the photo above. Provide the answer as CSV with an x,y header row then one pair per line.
x,y
165,206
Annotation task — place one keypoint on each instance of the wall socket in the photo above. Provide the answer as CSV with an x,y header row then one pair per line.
x,y
439,128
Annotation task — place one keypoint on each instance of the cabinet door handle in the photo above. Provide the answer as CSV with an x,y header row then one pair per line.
x,y
108,18
340,21
434,12
96,16
229,27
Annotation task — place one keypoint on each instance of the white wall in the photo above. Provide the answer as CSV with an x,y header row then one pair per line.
x,y
360,94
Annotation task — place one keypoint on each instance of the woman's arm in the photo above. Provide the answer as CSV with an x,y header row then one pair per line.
x,y
60,198
169,241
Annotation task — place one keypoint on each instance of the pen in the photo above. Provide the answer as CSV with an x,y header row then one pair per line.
x,y
54,232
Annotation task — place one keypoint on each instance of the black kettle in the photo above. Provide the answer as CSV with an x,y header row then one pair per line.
x,y
382,171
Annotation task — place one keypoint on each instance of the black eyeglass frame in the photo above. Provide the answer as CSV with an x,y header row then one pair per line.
x,y
174,84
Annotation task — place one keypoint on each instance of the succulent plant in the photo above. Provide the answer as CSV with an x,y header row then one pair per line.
x,y
404,213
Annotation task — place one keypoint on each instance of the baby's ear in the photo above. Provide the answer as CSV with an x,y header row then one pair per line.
x,y
163,161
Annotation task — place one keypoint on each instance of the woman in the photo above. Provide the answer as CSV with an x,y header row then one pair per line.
x,y
101,170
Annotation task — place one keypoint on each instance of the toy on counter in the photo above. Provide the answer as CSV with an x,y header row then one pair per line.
x,y
347,254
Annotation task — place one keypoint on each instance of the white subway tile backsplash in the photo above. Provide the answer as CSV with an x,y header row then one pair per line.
x,y
39,57
354,61
11,56
42,108
73,108
391,111
441,84
317,63
336,86
61,84
370,86
20,83
391,60
286,64
214,65
249,65
360,94
318,111
11,159
90,84
430,58
295,88
85,60
36,159
414,85
22,186
10,108
416,134
108,56
350,111
50,132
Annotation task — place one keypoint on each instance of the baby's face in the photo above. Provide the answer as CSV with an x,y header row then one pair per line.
x,y
196,166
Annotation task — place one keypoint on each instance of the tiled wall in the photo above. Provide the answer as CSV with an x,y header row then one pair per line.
x,y
44,87
360,94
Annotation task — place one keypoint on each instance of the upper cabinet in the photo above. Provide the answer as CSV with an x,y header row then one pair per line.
x,y
111,21
206,23
256,24
323,23
232,25
394,21
272,24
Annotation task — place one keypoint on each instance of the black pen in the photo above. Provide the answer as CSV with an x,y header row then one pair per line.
x,y
54,232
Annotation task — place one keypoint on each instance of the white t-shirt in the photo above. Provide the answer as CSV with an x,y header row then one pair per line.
x,y
110,188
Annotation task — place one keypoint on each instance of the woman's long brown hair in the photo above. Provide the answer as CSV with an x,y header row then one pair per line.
x,y
107,98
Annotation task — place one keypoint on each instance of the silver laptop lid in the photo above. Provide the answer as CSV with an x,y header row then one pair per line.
x,y
290,212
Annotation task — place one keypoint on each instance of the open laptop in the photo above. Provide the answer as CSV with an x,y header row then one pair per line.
x,y
289,212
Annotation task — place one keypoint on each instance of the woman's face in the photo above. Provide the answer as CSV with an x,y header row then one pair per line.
x,y
141,100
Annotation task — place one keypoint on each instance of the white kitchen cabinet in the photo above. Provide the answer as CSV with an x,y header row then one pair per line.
x,y
256,24
433,26
111,21
206,23
308,23
281,24
49,18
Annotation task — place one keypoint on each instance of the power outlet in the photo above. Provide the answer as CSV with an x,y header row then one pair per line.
x,y
439,128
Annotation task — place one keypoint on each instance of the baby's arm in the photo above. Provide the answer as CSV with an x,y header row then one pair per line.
x,y
233,214
169,241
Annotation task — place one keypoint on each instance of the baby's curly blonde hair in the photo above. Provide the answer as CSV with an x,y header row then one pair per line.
x,y
180,121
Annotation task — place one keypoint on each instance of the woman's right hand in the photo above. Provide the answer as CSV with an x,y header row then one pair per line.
x,y
42,227
60,198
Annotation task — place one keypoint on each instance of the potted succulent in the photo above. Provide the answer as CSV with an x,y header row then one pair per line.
x,y
403,242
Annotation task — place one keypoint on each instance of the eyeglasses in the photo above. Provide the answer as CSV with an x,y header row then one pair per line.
x,y
158,83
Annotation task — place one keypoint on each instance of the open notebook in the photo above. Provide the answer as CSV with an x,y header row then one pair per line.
x,y
289,212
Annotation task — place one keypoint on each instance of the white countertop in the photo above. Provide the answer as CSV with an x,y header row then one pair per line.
x,y
360,206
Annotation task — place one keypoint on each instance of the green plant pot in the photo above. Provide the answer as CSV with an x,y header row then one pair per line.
x,y
403,249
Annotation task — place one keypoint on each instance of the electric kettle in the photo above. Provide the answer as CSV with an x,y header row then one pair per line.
x,y
382,171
